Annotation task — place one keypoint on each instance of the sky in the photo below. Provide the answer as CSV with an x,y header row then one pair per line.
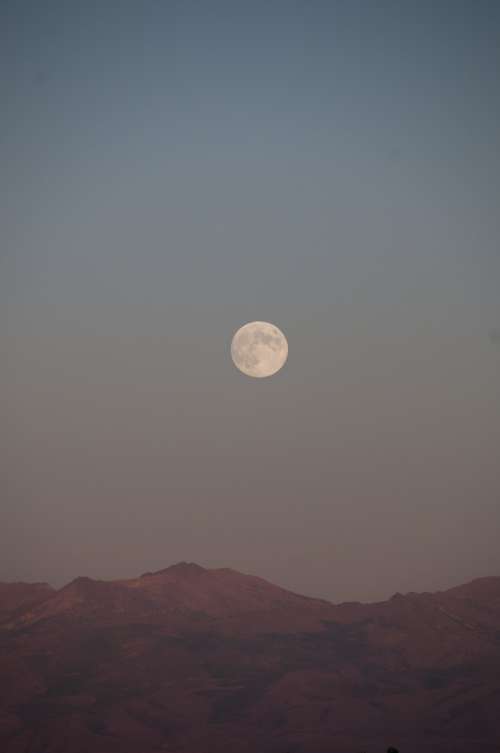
x,y
173,170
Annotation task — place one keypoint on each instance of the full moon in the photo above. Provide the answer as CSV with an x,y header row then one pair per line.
x,y
259,349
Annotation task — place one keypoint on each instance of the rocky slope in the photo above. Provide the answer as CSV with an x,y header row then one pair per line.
x,y
190,660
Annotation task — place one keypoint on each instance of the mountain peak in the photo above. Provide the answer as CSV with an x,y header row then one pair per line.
x,y
183,569
81,583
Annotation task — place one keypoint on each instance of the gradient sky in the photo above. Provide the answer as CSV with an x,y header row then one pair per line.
x,y
172,170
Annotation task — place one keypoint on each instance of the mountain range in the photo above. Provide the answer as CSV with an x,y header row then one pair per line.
x,y
196,660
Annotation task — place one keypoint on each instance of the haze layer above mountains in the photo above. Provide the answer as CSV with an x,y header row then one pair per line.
x,y
190,660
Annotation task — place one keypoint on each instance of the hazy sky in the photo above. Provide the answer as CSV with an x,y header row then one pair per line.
x,y
171,170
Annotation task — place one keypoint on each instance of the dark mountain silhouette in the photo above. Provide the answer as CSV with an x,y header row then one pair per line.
x,y
190,660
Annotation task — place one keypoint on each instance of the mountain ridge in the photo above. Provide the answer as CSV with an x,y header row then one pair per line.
x,y
191,568
195,660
